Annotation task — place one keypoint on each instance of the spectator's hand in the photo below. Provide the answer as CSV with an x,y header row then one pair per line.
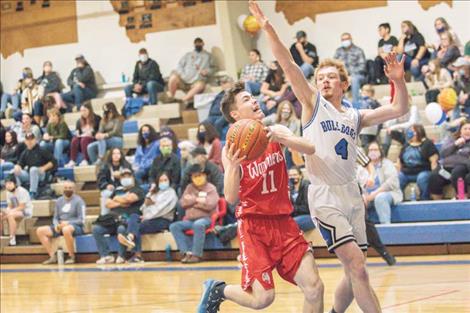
x,y
456,75
393,69
110,187
370,183
17,169
138,88
425,69
58,228
299,47
116,174
46,137
82,85
99,136
204,72
42,170
460,142
230,157
415,63
257,13
271,104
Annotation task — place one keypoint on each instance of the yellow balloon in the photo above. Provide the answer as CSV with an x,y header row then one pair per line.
x,y
447,99
251,24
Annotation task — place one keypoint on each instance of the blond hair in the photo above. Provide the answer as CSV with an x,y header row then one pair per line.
x,y
343,72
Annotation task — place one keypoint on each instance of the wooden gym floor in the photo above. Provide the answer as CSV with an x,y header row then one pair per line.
x,y
416,284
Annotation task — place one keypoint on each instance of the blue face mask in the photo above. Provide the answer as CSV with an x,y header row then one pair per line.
x,y
441,30
409,134
146,135
25,75
164,185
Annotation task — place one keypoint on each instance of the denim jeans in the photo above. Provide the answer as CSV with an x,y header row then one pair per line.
x,y
33,176
307,69
5,169
253,87
78,95
56,147
305,222
132,227
199,227
415,70
14,99
356,83
99,233
152,226
422,180
152,88
383,206
141,175
98,148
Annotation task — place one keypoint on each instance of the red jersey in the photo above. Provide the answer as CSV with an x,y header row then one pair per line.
x,y
264,185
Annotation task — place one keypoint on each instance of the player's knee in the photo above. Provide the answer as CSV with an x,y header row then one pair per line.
x,y
357,269
263,300
314,290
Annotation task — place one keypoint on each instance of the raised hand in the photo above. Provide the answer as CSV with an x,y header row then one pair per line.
x,y
230,157
257,13
393,69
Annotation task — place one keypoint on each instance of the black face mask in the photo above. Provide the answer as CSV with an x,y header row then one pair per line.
x,y
198,48
293,181
68,193
12,189
201,137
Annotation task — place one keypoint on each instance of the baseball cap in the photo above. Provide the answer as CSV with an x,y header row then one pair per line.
x,y
195,169
198,151
79,57
126,171
460,62
300,34
29,136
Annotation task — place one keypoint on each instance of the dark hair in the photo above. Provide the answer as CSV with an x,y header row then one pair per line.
x,y
386,26
211,132
228,101
143,51
257,52
278,75
14,137
111,109
48,103
91,117
443,21
153,135
196,168
412,27
458,133
382,155
420,132
109,157
157,178
167,131
198,40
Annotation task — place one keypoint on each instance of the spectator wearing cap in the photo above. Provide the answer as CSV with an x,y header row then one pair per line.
x,y
304,54
213,172
147,78
19,205
462,83
82,83
68,221
215,114
355,61
34,164
199,201
192,73
254,73
124,204
168,162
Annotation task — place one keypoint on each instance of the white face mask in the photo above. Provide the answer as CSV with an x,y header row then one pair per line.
x,y
143,58
346,43
285,115
127,182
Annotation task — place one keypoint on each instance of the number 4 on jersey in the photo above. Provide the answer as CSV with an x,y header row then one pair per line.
x,y
341,149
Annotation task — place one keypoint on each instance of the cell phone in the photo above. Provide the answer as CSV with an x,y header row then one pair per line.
x,y
445,174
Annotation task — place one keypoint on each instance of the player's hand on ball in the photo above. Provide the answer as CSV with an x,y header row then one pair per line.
x,y
231,157
278,132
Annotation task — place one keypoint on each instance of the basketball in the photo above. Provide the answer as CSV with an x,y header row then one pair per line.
x,y
249,136
251,25
447,99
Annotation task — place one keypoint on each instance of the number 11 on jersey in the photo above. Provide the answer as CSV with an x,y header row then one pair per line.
x,y
265,183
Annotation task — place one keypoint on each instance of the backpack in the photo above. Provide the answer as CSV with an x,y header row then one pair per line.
x,y
132,106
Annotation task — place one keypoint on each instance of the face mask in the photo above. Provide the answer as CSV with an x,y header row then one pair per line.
x,y
199,181
346,43
201,136
409,134
293,181
165,150
146,135
285,115
68,193
374,155
198,48
127,181
441,30
143,58
24,75
164,186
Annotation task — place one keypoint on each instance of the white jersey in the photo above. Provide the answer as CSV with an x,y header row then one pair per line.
x,y
334,135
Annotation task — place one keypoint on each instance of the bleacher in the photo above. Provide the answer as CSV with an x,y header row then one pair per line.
x,y
414,223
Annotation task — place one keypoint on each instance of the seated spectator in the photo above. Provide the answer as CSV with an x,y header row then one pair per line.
x,y
19,205
285,115
462,83
213,172
158,211
15,98
29,96
215,115
412,45
85,130
124,204
26,126
298,188
167,161
186,148
417,159
441,26
254,73
387,44
9,154
455,163
147,151
166,131
208,138
147,78
192,73
109,134
82,83
355,61
68,221
436,78
56,139
368,102
199,201
448,51
272,89
51,85
385,190
109,175
304,54
34,164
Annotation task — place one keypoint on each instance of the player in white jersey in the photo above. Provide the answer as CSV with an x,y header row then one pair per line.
x,y
334,195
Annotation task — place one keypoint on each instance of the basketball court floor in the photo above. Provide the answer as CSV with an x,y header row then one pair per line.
x,y
415,284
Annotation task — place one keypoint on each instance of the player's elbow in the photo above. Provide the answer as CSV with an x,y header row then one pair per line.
x,y
310,149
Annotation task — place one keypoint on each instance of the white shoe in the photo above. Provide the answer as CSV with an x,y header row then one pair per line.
x,y
106,260
12,241
120,260
70,164
84,163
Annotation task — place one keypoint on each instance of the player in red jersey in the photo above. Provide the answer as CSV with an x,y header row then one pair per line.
x,y
269,237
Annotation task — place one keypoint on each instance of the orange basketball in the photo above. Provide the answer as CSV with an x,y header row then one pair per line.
x,y
249,136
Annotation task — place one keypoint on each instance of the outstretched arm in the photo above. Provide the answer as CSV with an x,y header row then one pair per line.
x,y
304,92
286,137
396,73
